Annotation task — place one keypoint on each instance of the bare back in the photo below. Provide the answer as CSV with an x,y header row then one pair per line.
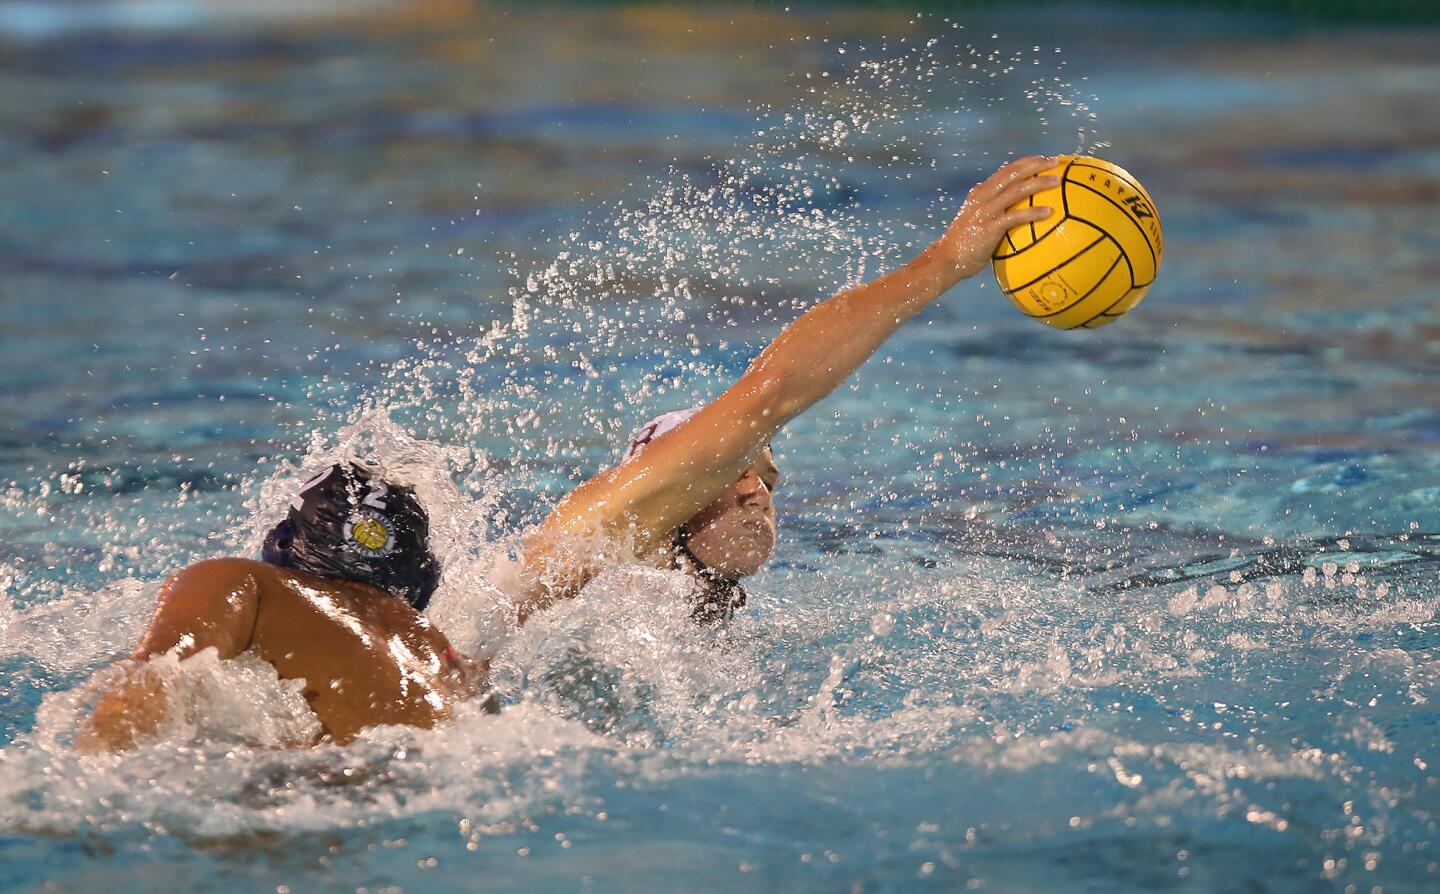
x,y
367,658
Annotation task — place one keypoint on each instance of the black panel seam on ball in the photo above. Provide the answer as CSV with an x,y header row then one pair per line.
x,y
1080,253
1155,261
1124,178
1082,298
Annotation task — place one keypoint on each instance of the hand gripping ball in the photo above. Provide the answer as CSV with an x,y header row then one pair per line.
x,y
1093,258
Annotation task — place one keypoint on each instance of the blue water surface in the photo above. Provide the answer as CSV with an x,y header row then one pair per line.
x,y
1145,608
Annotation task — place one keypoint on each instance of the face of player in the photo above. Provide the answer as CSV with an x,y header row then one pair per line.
x,y
735,534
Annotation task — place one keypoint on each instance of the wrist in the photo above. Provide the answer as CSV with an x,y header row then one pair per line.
x,y
936,270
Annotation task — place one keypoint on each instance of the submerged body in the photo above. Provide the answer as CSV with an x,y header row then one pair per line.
x,y
366,658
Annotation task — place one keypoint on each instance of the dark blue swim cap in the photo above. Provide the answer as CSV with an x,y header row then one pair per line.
x,y
347,522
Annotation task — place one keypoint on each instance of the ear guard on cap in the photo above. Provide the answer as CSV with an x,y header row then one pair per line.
x,y
277,544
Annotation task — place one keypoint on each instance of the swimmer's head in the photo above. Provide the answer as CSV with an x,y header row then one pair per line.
x,y
735,534
349,523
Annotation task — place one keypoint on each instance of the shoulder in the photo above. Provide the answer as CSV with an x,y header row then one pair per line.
x,y
209,603
224,566
232,569
223,573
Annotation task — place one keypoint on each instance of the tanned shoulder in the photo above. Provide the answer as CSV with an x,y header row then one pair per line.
x,y
209,604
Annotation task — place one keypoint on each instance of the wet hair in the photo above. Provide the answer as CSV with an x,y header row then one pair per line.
x,y
349,523
716,598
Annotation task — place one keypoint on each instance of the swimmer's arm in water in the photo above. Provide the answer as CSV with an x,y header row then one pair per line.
x,y
210,604
664,486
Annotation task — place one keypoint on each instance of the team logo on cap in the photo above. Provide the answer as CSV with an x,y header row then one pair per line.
x,y
370,534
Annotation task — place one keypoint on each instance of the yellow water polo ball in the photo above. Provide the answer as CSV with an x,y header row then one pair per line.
x,y
1094,258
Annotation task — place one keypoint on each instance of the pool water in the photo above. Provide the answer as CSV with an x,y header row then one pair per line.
x,y
1147,608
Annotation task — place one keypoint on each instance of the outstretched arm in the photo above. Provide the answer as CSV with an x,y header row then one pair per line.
x,y
817,352
661,488
208,605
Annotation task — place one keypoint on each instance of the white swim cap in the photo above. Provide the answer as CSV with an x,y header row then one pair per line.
x,y
655,428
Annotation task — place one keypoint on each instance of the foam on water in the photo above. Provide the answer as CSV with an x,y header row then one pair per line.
x,y
988,671
991,683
